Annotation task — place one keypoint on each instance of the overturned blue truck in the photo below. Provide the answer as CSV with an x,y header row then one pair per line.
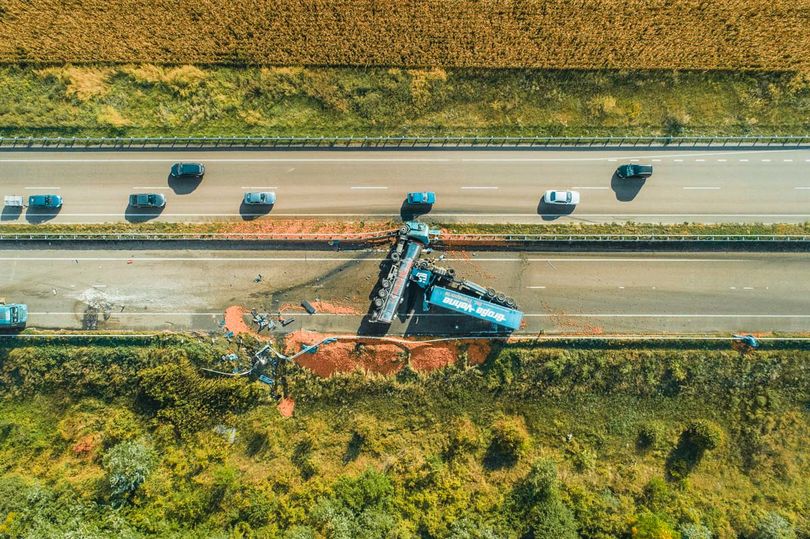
x,y
441,287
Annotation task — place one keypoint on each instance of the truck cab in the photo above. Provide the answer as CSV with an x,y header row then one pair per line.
x,y
13,316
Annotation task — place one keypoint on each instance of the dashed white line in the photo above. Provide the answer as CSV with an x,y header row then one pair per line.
x,y
744,160
765,160
701,188
42,188
787,160
634,160
656,160
722,160
802,188
748,288
700,160
536,287
678,160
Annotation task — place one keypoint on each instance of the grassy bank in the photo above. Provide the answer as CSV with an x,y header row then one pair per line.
x,y
630,441
320,226
141,100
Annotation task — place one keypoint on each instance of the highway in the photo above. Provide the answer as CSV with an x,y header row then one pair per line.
x,y
484,186
560,293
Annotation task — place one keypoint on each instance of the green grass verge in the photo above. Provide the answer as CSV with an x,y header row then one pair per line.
x,y
184,101
631,441
733,229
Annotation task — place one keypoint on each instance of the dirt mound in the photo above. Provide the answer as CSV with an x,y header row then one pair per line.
x,y
381,356
326,307
235,320
286,407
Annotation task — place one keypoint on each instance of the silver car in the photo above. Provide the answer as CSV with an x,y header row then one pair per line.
x,y
567,198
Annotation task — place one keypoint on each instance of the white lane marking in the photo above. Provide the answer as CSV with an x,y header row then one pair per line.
x,y
787,160
42,188
591,188
743,160
700,160
621,288
536,287
368,187
478,187
701,188
748,288
260,187
732,288
678,160
612,160
765,160
722,160
148,187
802,188
339,258
656,160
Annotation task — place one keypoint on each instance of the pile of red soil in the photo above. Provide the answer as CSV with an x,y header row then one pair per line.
x,y
381,357
326,307
235,320
286,407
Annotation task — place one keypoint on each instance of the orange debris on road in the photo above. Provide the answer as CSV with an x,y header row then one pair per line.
x,y
326,307
235,320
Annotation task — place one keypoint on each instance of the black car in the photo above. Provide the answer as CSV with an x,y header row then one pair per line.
x,y
634,171
188,170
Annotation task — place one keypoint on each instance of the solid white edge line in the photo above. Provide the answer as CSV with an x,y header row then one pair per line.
x,y
43,188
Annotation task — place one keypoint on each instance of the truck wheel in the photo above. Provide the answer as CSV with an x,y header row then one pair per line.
x,y
395,257
510,302
451,272
501,298
386,283
382,292
378,302
404,229
491,292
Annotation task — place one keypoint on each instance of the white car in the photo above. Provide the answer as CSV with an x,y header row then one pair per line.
x,y
568,198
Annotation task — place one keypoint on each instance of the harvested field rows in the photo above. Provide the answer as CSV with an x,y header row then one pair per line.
x,y
642,34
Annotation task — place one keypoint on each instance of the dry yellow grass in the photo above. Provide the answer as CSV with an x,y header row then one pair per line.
x,y
650,34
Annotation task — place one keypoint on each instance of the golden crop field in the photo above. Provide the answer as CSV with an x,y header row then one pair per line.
x,y
556,34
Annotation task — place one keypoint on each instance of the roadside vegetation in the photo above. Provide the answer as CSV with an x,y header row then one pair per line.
x,y
596,440
149,100
327,227
558,34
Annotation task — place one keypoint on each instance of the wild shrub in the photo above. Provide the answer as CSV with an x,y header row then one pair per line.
x,y
508,443
698,437
128,464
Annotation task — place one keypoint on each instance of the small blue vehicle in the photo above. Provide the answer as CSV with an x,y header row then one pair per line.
x,y
45,201
422,198
264,198
188,170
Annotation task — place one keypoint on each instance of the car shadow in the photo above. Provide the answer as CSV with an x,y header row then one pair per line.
x,y
11,213
41,215
409,212
183,185
249,212
626,189
550,212
141,215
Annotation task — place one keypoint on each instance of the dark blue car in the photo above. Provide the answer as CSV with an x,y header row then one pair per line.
x,y
45,201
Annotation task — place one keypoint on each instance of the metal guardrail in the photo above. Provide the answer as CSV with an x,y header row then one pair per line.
x,y
480,239
653,238
393,142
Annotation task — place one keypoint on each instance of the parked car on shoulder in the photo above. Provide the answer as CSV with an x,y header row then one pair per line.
x,y
188,170
422,198
45,201
147,200
633,171
260,198
569,198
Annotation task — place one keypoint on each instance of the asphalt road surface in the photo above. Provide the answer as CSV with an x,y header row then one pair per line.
x,y
485,186
560,293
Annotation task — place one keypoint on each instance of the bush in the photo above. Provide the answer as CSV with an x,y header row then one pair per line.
x,y
695,531
695,440
657,495
653,526
510,440
704,435
128,464
650,435
774,526
542,512
463,438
